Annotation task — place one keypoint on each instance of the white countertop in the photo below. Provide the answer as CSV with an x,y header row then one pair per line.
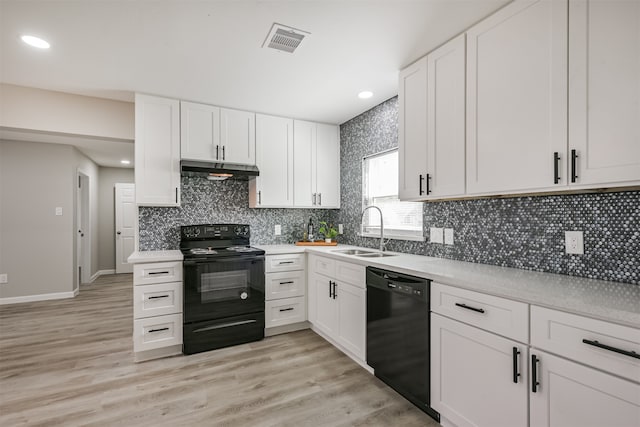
x,y
154,256
610,301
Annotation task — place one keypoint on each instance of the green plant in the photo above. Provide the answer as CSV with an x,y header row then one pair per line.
x,y
327,230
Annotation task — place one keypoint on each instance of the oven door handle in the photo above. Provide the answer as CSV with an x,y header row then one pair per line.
x,y
190,263
224,325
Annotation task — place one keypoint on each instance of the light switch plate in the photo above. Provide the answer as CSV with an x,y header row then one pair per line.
x,y
448,236
278,230
574,242
435,235
4,278
58,211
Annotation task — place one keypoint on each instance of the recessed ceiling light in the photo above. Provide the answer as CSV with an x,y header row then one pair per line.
x,y
365,94
36,42
125,162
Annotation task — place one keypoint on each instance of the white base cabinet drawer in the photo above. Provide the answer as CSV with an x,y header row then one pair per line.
x,y
285,311
285,285
157,272
157,300
590,341
321,265
156,332
286,262
501,316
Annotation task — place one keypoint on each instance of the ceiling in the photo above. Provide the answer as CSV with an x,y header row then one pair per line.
x,y
211,51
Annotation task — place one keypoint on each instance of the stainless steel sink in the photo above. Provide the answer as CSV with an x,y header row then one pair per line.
x,y
375,255
358,252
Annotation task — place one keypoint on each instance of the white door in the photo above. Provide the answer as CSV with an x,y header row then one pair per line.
x,y
304,165
472,376
570,394
412,131
126,217
199,132
237,136
604,91
446,120
274,148
517,97
326,313
327,166
352,318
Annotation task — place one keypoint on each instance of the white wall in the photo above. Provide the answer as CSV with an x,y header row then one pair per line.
x,y
108,177
48,111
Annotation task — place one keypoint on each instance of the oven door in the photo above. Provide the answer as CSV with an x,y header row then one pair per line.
x,y
223,287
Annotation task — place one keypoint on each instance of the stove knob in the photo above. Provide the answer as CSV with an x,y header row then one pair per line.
x,y
196,232
238,230
246,230
243,295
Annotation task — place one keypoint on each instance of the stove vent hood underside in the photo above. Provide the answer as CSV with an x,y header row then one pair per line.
x,y
218,171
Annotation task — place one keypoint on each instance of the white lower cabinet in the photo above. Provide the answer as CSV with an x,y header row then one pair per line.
x,y
285,291
337,303
284,312
157,332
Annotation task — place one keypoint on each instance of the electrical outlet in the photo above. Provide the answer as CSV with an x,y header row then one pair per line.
x,y
58,211
278,230
448,236
340,229
436,235
4,278
574,242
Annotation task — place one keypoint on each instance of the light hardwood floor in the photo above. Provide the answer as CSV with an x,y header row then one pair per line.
x,y
70,362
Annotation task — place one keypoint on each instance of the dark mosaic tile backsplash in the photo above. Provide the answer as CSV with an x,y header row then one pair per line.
x,y
524,232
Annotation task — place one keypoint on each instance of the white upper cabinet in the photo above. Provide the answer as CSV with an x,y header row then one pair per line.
x,y
199,131
217,134
412,131
316,165
157,151
446,120
274,158
604,92
517,98
237,136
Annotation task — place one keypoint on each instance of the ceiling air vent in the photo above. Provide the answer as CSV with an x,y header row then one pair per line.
x,y
284,38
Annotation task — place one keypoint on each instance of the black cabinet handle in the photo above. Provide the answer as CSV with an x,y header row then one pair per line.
x,y
330,291
629,353
158,296
151,273
158,330
287,283
516,374
259,197
334,290
319,199
217,149
428,185
556,161
223,152
574,156
285,262
176,194
286,309
420,185
479,310
534,374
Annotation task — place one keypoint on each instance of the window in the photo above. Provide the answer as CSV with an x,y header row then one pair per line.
x,y
402,220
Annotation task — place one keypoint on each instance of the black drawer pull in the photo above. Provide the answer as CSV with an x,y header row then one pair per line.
x,y
428,185
290,282
534,374
159,296
516,374
574,156
479,310
629,353
151,273
556,160
158,330
286,309
285,262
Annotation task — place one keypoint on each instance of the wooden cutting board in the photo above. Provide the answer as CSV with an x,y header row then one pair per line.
x,y
316,243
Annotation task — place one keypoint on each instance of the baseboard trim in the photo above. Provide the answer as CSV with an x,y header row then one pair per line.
x,y
285,329
41,297
101,273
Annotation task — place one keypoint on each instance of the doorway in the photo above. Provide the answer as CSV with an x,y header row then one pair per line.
x,y
126,217
83,227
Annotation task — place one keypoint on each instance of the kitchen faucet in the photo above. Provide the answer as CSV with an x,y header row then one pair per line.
x,y
381,224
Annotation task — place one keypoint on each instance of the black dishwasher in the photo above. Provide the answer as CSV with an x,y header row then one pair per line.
x,y
398,334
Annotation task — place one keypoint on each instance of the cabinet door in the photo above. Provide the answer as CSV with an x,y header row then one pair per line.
x,y
412,131
570,394
199,131
352,318
274,146
472,375
326,308
304,165
157,151
237,137
604,90
446,120
327,162
517,97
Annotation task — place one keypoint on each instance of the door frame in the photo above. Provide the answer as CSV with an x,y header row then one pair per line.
x,y
82,229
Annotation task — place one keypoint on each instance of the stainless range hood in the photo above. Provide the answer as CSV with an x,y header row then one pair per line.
x,y
215,171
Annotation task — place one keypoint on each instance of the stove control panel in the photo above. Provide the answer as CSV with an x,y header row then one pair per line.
x,y
214,231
